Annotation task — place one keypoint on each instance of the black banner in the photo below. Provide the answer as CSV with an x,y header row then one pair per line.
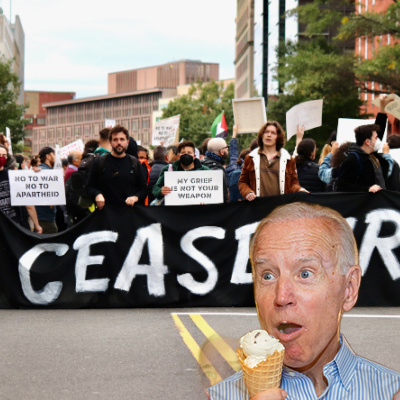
x,y
180,256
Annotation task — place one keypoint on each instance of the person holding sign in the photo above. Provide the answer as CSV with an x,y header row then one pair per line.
x,y
186,162
269,170
15,213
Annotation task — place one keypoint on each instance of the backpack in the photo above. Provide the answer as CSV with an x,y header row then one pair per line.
x,y
333,184
79,178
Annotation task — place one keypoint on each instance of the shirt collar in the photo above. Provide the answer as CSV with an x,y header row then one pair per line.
x,y
345,362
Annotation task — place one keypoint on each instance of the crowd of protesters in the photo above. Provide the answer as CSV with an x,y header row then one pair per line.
x,y
114,170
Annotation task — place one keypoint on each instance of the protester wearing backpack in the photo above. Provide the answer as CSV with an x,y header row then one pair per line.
x,y
364,170
116,178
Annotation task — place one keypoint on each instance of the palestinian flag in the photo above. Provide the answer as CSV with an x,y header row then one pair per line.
x,y
219,128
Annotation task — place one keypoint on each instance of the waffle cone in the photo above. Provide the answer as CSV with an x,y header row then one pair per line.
x,y
265,375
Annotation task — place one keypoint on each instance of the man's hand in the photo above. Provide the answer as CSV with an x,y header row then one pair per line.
x,y
335,146
374,189
299,134
235,131
38,229
270,394
385,148
165,190
251,196
130,201
304,190
383,102
100,201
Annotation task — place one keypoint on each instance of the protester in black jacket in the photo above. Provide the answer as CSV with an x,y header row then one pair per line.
x,y
307,169
160,156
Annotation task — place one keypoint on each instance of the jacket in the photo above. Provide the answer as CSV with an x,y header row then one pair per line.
x,y
356,174
250,178
307,173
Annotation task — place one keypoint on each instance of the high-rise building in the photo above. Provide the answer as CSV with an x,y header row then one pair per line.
x,y
12,47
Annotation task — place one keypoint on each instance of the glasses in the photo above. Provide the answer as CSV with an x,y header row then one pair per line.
x,y
227,147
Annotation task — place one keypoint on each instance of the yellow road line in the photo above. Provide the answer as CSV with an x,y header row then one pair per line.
x,y
223,348
205,364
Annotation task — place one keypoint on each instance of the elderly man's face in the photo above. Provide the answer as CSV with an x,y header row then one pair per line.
x,y
299,291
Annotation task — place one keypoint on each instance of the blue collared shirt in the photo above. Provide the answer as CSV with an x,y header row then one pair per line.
x,y
349,377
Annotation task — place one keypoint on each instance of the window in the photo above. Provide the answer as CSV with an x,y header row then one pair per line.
x,y
41,121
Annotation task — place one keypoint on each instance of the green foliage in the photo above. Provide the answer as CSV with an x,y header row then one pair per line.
x,y
311,71
11,113
199,108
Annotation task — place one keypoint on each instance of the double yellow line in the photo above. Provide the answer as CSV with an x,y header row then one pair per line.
x,y
216,340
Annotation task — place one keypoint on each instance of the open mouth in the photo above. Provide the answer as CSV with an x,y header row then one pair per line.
x,y
288,328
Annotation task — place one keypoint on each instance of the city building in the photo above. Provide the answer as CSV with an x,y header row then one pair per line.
x,y
36,113
367,49
70,120
244,49
132,98
12,47
164,76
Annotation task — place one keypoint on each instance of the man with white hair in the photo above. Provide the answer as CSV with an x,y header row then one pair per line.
x,y
215,156
306,274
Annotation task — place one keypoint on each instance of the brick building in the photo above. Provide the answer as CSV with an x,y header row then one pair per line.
x,y
132,98
367,49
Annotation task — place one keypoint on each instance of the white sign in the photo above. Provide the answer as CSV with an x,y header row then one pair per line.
x,y
57,162
109,123
308,114
346,126
43,188
194,187
74,146
395,153
8,136
393,107
165,131
249,114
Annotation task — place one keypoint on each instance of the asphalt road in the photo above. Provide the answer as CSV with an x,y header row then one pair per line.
x,y
147,353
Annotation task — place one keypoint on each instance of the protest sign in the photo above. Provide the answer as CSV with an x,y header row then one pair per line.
x,y
395,154
166,131
8,136
194,187
393,107
308,114
58,161
43,188
249,114
109,123
74,146
346,126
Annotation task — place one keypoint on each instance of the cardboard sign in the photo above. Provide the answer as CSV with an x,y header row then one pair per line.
x,y
393,107
308,114
43,188
109,123
346,126
74,146
194,187
249,114
166,131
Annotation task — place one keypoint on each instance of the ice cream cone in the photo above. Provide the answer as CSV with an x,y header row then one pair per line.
x,y
265,375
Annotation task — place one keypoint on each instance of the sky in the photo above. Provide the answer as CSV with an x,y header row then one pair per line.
x,y
72,45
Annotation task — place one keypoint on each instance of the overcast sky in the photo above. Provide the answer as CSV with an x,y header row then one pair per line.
x,y
71,45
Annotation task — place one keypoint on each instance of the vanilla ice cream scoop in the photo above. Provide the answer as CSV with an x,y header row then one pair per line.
x,y
257,345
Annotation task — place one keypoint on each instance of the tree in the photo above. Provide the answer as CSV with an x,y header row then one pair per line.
x,y
11,113
384,68
311,71
199,108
